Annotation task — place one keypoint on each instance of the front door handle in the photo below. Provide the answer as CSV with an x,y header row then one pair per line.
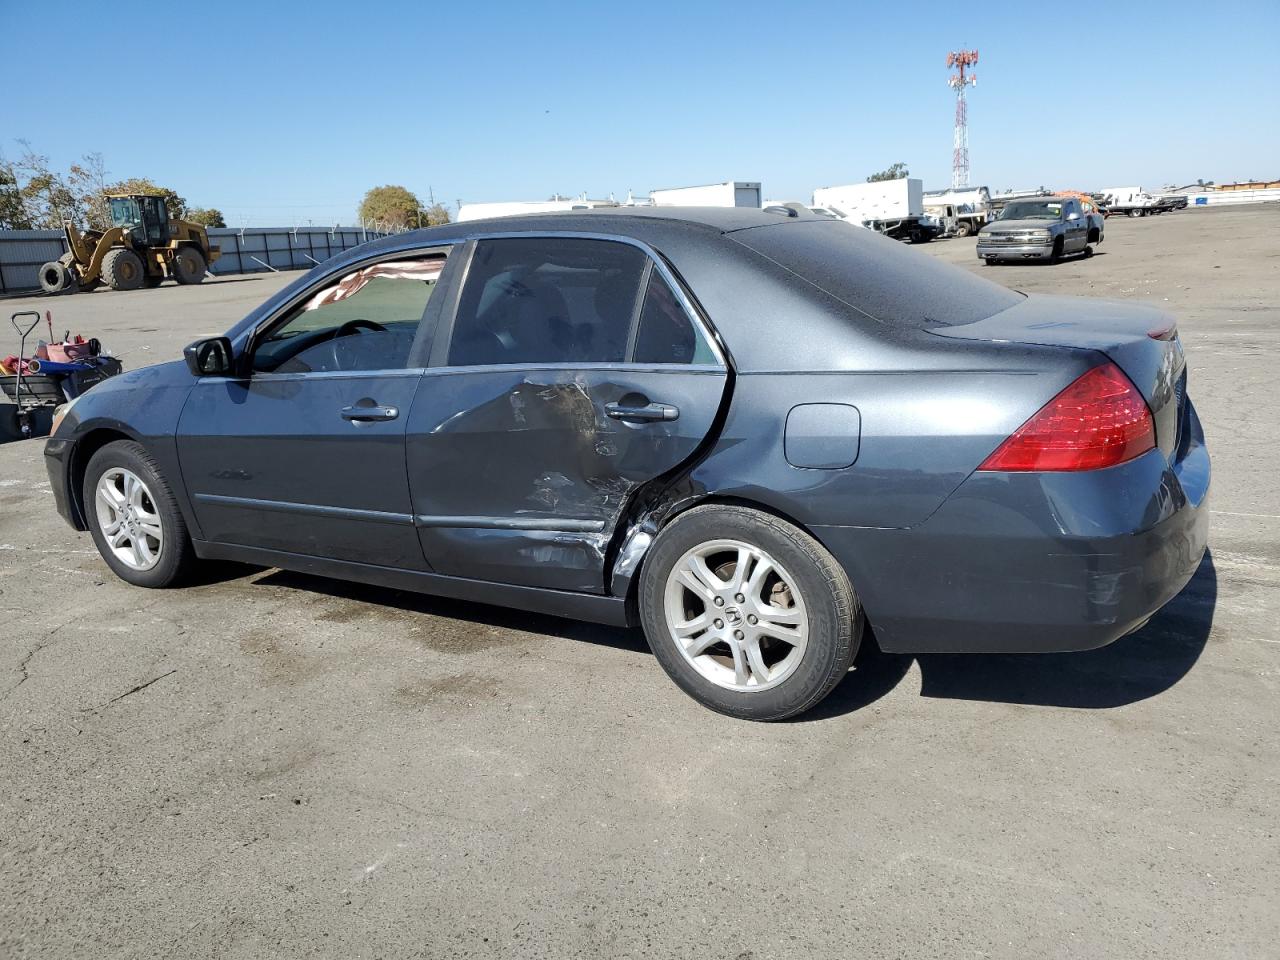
x,y
367,411
642,414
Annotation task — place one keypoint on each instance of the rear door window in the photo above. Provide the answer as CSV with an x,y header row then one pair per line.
x,y
547,300
667,334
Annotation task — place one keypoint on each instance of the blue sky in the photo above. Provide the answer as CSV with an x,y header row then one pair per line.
x,y
280,112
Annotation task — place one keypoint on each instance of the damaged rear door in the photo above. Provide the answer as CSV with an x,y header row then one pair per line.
x,y
574,370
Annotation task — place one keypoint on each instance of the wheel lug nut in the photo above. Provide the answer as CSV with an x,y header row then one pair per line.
x,y
719,601
739,598
719,624
751,619
738,634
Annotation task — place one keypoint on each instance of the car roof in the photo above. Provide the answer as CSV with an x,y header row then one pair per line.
x,y
624,219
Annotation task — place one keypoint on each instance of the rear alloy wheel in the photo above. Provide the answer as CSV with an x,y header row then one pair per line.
x,y
188,265
749,615
134,518
122,269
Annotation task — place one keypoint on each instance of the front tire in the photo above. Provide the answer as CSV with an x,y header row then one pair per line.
x,y
188,265
964,228
122,269
134,518
749,615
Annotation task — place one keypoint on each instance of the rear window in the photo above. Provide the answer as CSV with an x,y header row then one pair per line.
x,y
879,277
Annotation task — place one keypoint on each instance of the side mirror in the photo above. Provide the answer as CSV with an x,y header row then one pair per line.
x,y
1073,216
210,358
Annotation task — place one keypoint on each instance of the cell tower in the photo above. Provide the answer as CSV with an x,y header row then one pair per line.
x,y
961,61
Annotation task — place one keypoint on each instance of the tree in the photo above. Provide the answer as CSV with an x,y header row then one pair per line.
x,y
394,206
13,215
47,200
895,172
87,181
433,216
206,216
176,204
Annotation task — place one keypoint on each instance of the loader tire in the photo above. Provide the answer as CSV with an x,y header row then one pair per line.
x,y
55,278
122,270
188,265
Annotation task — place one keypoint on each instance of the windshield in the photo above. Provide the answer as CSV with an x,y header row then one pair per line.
x,y
1032,210
124,212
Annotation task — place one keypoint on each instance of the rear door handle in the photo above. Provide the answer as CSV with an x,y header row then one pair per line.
x,y
368,413
642,414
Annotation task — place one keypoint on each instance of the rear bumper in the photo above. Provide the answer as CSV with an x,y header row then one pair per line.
x,y
1035,562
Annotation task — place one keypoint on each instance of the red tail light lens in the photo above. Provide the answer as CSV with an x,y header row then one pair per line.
x,y
1099,421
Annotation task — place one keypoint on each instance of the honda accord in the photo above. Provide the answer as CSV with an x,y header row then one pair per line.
x,y
755,434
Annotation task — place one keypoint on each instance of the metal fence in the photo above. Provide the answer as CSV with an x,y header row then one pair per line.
x,y
252,250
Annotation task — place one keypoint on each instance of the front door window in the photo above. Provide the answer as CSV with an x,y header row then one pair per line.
x,y
368,320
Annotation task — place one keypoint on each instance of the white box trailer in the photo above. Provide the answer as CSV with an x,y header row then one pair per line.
x,y
731,193
893,207
515,208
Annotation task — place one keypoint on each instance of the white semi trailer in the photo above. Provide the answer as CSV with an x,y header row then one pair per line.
x,y
731,193
892,207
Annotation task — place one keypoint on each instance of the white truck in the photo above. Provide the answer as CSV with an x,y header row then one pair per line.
x,y
1131,200
731,193
892,207
965,212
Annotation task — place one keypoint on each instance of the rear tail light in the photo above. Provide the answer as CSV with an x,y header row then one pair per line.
x,y
1100,420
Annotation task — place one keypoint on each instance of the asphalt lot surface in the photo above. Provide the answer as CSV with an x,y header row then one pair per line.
x,y
276,765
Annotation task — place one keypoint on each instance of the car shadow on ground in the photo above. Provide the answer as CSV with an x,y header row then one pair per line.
x,y
479,613
1137,667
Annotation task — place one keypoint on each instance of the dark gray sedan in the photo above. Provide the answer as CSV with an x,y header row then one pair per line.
x,y
755,434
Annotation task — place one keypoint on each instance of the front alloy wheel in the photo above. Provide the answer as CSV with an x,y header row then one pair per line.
x,y
129,520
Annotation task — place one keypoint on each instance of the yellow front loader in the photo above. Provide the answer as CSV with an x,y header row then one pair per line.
x,y
140,248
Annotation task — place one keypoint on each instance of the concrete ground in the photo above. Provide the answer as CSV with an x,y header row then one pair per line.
x,y
276,765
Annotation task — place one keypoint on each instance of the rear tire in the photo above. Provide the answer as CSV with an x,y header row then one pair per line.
x,y
775,652
127,501
122,269
188,265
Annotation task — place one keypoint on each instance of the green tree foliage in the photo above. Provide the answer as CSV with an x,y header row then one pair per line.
x,y
35,196
895,172
13,214
434,216
176,204
206,216
391,207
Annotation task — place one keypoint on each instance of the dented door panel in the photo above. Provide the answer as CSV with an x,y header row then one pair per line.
x,y
520,475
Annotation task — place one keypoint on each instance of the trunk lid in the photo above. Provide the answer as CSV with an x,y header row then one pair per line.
x,y
1121,331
